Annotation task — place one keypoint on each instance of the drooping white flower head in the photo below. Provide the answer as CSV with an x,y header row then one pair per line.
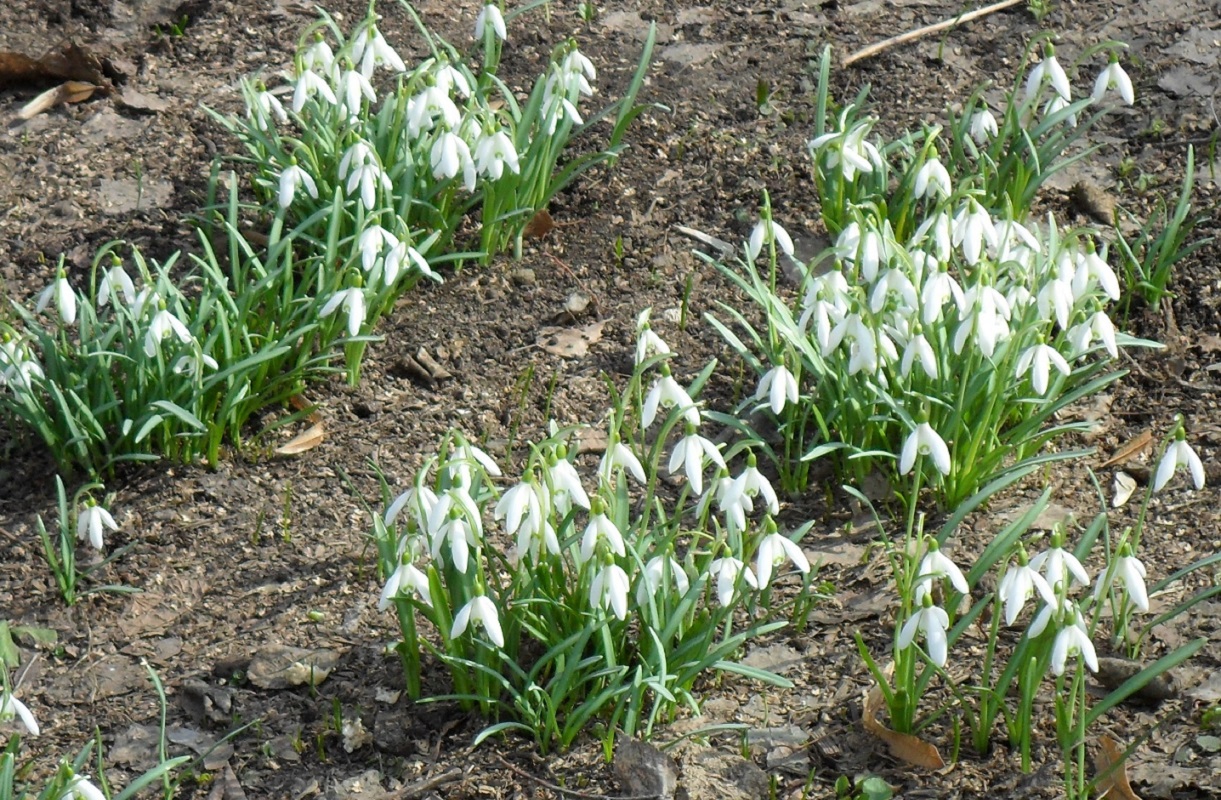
x,y
667,393
937,566
932,622
619,456
11,707
491,18
690,454
1131,572
292,177
653,575
91,522
779,386
163,326
1038,361
774,550
310,83
407,577
1073,639
609,590
601,529
932,181
480,611
353,303
728,571
925,441
1113,77
767,231
1049,71
61,292
493,152
1059,566
1179,454
983,126
1019,584
115,282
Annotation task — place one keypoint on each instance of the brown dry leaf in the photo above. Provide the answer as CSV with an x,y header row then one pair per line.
x,y
69,92
17,69
307,440
1129,450
540,225
1113,776
71,63
570,342
300,403
903,746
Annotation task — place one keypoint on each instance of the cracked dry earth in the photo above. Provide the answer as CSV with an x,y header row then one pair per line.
x,y
264,557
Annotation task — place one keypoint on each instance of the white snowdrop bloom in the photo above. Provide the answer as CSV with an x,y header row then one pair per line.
x,y
1059,566
11,707
653,574
1093,267
115,282
925,441
267,107
937,230
318,56
848,151
352,87
79,788
727,571
1055,301
163,326
451,155
1057,104
779,386
601,528
372,241
490,18
767,231
291,178
609,590
1114,77
371,49
1179,454
1049,70
932,181
1073,639
480,611
893,283
1131,572
407,577
425,108
774,550
494,152
939,288
1019,584
933,622
1098,327
566,486
973,229
451,79
690,454
91,522
937,566
64,297
353,303
748,485
420,500
1039,360
619,456
983,126
310,83
919,351
665,394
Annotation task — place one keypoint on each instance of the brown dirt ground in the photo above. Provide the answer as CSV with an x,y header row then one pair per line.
x,y
266,551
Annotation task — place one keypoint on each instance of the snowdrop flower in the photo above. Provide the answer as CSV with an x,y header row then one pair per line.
x,y
565,484
429,105
653,574
938,230
609,590
600,528
936,566
1072,640
1059,566
863,344
309,83
932,180
1055,301
79,788
727,571
516,506
193,365
1179,454
774,550
779,387
116,282
1049,70
973,229
292,177
1057,104
933,622
893,283
938,288
449,78
371,242
404,255
481,611
734,509
1019,584
372,49
451,154
90,523
848,150
163,326
493,152
1098,326
983,126
749,485
455,527
490,18
1131,571
768,231
919,351
691,453
61,292
863,249
353,303
1114,77
648,343
406,578
1039,360
267,106
925,441
352,86
556,109
667,393
988,320
318,56
361,169
575,63
620,456
11,707
421,499
1090,265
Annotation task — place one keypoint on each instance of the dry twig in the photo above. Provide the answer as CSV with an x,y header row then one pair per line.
x,y
874,49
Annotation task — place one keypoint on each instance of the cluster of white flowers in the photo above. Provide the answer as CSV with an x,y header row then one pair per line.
x,y
444,520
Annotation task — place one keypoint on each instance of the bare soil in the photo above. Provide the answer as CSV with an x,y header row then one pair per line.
x,y
267,552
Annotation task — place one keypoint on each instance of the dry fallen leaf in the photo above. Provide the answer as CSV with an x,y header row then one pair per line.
x,y
540,225
69,92
1132,448
307,440
570,342
1112,776
903,746
1125,485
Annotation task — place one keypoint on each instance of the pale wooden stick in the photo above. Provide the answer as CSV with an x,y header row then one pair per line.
x,y
874,49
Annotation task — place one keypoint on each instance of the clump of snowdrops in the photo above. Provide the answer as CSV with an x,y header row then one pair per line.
x,y
1044,580
941,335
570,595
